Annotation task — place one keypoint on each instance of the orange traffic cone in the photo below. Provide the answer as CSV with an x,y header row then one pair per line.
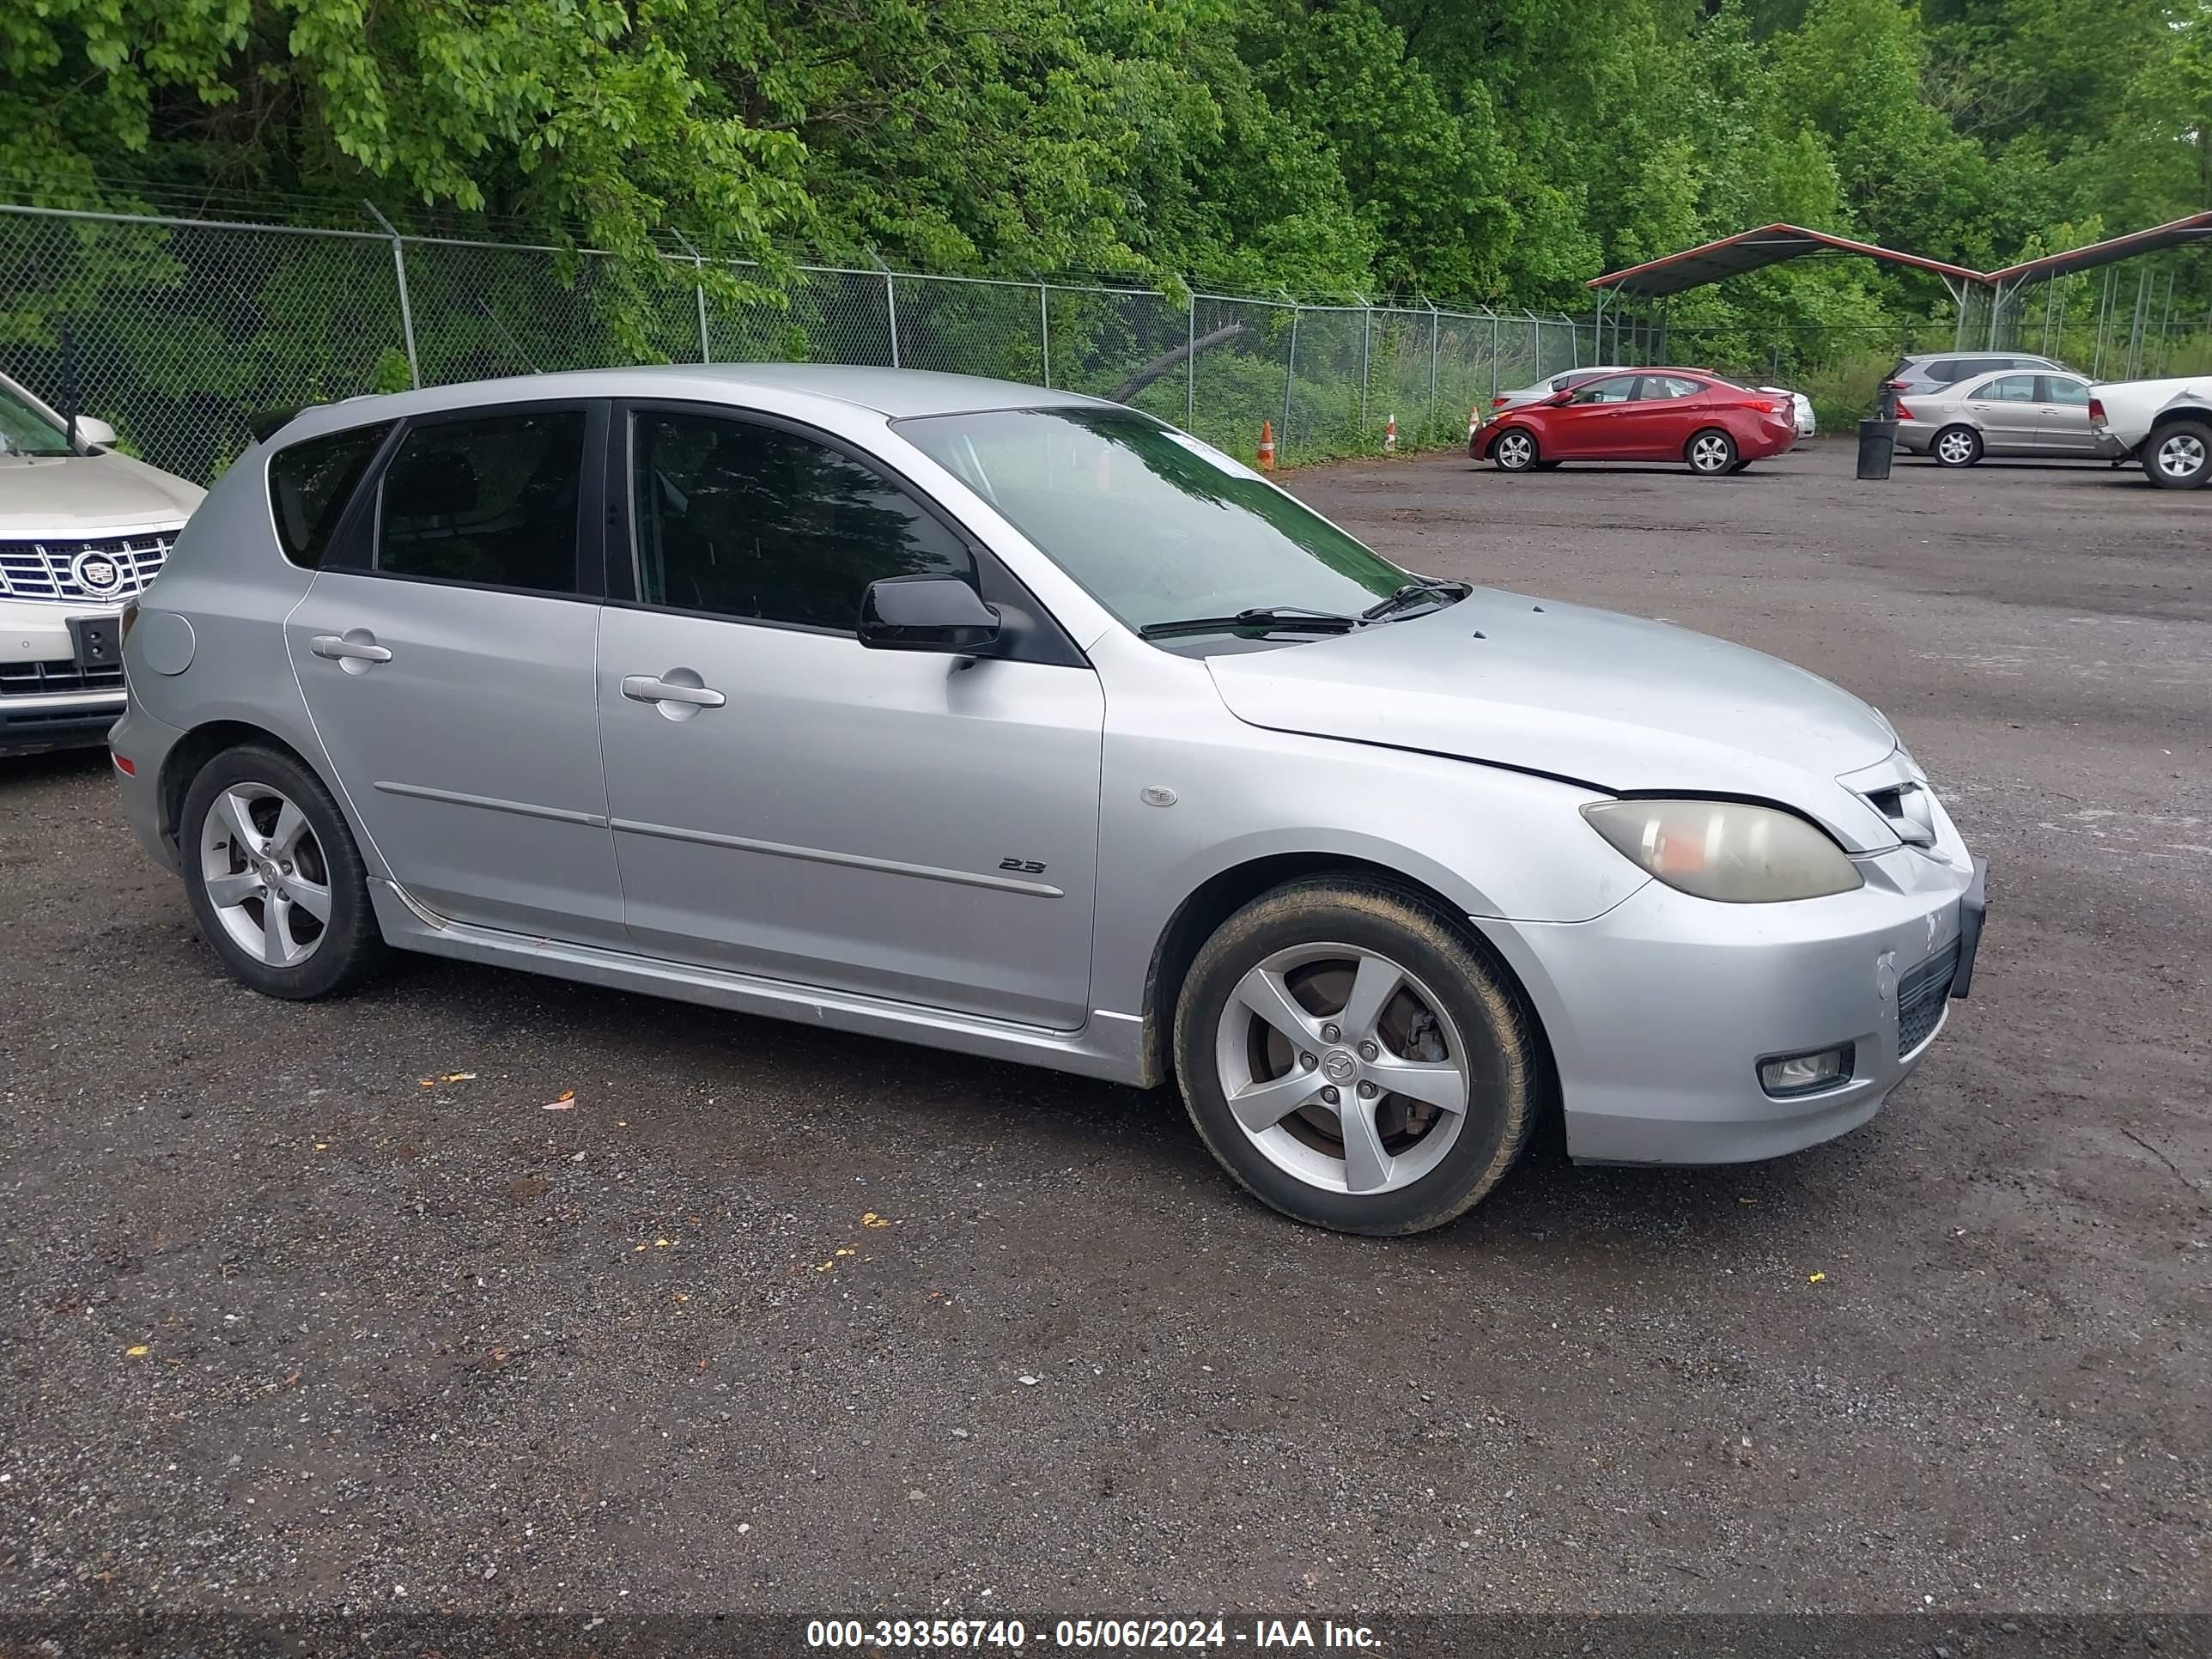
x,y
1390,437
1267,446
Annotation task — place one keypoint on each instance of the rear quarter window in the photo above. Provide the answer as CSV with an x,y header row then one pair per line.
x,y
310,483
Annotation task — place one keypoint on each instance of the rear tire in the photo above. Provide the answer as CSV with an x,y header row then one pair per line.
x,y
1357,990
2178,455
1711,452
1515,451
274,877
1956,445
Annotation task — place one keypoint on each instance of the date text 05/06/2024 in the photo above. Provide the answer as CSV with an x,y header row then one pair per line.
x,y
1092,1635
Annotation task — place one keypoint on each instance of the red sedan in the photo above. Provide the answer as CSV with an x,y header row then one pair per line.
x,y
1653,415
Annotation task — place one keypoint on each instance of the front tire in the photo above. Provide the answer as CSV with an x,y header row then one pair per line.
x,y
1352,1058
274,877
1515,451
2178,455
1712,452
1956,445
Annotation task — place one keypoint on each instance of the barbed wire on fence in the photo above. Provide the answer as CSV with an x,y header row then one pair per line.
x,y
180,330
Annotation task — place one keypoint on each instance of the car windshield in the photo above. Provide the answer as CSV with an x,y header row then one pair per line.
x,y
1156,525
25,430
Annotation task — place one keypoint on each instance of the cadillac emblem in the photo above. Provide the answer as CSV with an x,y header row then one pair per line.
x,y
98,573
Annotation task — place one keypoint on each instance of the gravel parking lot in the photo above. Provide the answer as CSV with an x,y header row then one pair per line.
x,y
771,1317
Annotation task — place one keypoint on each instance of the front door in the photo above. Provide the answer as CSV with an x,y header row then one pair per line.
x,y
446,656
2063,417
1589,424
788,802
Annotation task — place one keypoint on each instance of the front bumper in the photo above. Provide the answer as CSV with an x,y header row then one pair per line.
x,y
75,719
1660,1010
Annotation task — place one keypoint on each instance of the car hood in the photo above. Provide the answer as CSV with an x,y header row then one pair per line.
x,y
84,496
1625,706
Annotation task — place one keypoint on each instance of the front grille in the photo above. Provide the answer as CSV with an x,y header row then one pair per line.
x,y
52,569
1921,995
34,679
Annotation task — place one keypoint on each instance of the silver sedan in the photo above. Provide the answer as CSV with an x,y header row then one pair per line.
x,y
2041,414
1022,724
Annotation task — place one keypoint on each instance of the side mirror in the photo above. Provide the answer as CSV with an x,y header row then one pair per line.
x,y
97,434
925,613
1559,399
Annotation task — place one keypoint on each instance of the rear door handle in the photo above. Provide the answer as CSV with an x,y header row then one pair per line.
x,y
340,649
646,688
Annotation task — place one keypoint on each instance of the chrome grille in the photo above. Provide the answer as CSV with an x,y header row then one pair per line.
x,y
1921,995
47,570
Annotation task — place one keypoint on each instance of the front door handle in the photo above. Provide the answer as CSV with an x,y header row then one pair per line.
x,y
647,687
346,648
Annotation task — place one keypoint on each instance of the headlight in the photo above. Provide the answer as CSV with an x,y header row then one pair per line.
x,y
1725,850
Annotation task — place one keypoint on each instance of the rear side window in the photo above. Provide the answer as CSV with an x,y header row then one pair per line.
x,y
311,483
490,500
2057,390
1945,373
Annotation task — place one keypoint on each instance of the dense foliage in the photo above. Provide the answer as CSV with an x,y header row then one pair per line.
x,y
1500,151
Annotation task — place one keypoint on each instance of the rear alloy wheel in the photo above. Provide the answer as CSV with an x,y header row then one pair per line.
x,y
2180,456
1515,452
1713,451
1349,1056
1956,445
274,877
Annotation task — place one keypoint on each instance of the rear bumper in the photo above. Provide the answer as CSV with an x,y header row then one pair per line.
x,y
1660,1011
2110,448
145,742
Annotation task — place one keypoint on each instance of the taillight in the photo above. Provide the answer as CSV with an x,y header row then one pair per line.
x,y
1905,414
1499,403
2096,409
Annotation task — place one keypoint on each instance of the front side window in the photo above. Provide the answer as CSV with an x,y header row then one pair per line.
x,y
1614,389
2009,389
490,500
311,483
741,519
1156,525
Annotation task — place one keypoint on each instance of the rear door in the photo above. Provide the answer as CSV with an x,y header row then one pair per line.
x,y
2062,416
900,824
445,650
2005,409
1655,425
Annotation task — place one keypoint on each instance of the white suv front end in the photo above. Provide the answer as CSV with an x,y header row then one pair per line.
x,y
83,529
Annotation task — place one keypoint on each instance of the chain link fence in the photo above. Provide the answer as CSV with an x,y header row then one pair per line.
x,y
180,331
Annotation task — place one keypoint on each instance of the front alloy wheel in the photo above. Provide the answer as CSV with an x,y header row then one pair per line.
x,y
1514,453
1355,1058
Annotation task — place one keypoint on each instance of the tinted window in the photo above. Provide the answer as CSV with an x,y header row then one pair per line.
x,y
2057,390
1945,373
2009,389
747,520
1617,389
490,500
311,483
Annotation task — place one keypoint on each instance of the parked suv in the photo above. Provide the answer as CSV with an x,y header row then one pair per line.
x,y
81,529
1932,371
1020,723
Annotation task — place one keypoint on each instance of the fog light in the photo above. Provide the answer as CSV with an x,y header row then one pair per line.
x,y
1801,1074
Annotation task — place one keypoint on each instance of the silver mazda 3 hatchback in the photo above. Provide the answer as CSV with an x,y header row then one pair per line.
x,y
1020,723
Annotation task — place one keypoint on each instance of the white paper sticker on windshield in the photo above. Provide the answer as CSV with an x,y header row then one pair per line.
x,y
1207,452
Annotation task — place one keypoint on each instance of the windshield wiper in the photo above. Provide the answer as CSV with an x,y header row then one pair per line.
x,y
1294,618
1439,594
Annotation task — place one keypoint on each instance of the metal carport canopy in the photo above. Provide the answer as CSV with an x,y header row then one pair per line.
x,y
2180,233
1754,250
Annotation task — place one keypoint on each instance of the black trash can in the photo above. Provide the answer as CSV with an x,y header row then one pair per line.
x,y
1877,445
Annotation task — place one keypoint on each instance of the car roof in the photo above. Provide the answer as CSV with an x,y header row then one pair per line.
x,y
1999,357
894,393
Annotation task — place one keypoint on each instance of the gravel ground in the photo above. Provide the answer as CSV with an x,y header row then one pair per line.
x,y
773,1319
